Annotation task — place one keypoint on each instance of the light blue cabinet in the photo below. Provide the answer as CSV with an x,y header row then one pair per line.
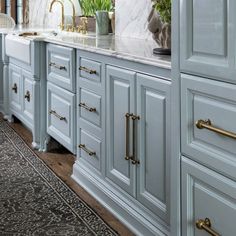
x,y
120,104
1,75
138,137
61,98
153,144
207,198
207,38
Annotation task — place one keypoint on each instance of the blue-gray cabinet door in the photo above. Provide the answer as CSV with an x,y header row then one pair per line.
x,y
153,108
207,38
207,194
120,92
15,89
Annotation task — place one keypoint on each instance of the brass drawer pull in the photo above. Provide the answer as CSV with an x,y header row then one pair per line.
x,y
127,143
56,115
27,96
206,225
133,158
207,124
57,66
14,88
83,147
83,68
90,109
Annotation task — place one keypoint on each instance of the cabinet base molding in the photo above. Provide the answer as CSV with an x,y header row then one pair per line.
x,y
111,199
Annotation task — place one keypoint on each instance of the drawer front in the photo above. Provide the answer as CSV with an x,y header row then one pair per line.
x,y
204,99
206,194
90,70
28,96
89,149
61,116
89,106
15,88
61,64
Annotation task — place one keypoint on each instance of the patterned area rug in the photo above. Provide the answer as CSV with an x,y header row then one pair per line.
x,y
34,201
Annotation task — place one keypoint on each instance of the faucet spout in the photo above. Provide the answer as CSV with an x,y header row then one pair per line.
x,y
62,11
73,16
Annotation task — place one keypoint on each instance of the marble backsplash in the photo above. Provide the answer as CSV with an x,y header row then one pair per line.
x,y
131,18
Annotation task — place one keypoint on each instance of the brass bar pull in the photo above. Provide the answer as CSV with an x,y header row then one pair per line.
x,y
133,158
207,124
57,66
27,96
83,147
127,118
14,88
57,115
90,109
83,68
206,225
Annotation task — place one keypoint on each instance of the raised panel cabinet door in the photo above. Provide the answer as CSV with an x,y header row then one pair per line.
x,y
207,38
120,101
208,199
15,88
28,96
153,108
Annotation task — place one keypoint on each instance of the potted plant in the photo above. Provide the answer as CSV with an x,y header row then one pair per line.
x,y
101,8
87,10
159,23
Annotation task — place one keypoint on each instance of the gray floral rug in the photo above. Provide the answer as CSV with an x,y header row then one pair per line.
x,y
34,201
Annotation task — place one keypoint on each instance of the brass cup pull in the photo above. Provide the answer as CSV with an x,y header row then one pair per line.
x,y
27,96
207,124
14,88
83,68
83,147
57,115
90,109
52,64
206,225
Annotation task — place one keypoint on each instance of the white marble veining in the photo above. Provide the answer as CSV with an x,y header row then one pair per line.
x,y
39,14
131,18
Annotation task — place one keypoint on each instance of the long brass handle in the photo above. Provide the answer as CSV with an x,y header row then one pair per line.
x,y
83,147
206,225
57,66
85,69
133,158
127,118
14,88
27,95
90,109
57,115
207,124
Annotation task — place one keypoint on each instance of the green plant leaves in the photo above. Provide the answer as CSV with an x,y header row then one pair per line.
x,y
164,9
89,7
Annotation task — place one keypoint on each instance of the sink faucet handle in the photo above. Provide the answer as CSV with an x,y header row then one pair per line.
x,y
62,26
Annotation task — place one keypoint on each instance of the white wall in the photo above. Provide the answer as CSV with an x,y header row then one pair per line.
x,y
131,18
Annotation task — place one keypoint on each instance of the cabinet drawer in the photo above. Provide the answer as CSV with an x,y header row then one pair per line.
x,y
90,70
206,194
204,99
15,88
28,96
89,149
89,106
61,116
61,64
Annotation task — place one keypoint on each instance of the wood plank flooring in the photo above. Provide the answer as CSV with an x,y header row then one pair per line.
x,y
61,162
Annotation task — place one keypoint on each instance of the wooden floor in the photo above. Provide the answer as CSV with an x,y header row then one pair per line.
x,y
61,162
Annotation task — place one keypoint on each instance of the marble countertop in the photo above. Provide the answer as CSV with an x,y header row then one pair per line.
x,y
132,49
